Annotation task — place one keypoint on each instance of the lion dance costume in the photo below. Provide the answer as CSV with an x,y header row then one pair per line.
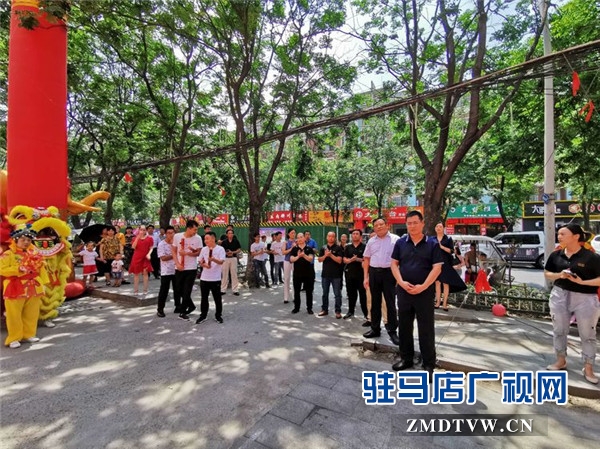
x,y
52,244
25,276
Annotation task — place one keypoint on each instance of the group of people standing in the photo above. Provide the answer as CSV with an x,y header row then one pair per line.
x,y
394,279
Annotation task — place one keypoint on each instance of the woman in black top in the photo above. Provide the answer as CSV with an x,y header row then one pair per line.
x,y
302,256
447,246
576,275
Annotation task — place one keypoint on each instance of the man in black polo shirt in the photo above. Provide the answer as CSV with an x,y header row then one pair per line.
x,y
353,258
232,248
331,256
416,264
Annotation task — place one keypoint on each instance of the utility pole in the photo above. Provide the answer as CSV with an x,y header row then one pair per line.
x,y
549,188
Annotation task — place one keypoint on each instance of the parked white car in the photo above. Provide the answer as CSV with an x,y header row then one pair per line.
x,y
596,244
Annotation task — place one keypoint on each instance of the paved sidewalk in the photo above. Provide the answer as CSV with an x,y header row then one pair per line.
x,y
466,339
119,377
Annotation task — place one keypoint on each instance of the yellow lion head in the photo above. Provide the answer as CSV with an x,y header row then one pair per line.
x,y
52,232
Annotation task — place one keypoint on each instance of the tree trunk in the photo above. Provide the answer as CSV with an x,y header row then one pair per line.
x,y
433,206
254,227
108,212
166,209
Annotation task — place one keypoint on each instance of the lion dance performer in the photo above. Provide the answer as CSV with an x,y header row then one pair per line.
x,y
52,244
25,275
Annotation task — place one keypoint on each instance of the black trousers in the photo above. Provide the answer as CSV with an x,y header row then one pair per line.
x,y
214,287
355,289
182,289
165,283
309,284
381,281
155,262
421,307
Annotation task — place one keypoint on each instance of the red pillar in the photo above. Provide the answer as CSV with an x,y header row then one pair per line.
x,y
37,111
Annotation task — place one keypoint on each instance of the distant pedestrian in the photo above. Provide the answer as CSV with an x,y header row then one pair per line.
x,y
331,256
211,260
117,270
353,258
259,259
89,256
140,261
154,260
448,281
167,269
277,248
232,249
301,256
186,248
108,247
287,264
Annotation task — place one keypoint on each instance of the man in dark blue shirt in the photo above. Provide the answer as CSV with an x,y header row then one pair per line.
x,y
416,264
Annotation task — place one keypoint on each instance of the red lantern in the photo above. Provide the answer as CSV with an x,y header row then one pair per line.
x,y
498,310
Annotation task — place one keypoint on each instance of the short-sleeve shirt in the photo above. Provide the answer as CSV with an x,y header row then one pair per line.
x,y
355,269
379,250
416,261
584,263
288,245
116,266
167,267
255,247
231,246
302,267
89,257
110,247
332,269
194,242
277,248
213,273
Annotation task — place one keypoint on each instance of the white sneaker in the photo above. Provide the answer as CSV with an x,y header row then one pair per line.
x,y
49,323
14,345
32,339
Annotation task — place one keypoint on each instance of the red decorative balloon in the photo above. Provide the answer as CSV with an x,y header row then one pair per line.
x,y
498,310
74,289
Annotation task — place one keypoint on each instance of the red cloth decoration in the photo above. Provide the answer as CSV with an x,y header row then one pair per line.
x,y
222,191
128,178
589,106
481,283
576,83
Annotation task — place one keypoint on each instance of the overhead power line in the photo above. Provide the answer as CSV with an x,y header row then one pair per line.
x,y
553,64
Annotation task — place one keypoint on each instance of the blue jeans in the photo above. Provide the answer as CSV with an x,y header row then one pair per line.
x,y
260,268
336,283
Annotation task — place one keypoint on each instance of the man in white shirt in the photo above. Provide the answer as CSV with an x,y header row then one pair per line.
x,y
167,268
186,249
211,260
377,262
277,249
258,251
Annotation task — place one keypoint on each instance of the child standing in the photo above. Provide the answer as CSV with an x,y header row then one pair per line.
x,y
89,256
117,269
24,274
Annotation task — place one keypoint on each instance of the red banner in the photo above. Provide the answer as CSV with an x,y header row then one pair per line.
x,y
222,219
